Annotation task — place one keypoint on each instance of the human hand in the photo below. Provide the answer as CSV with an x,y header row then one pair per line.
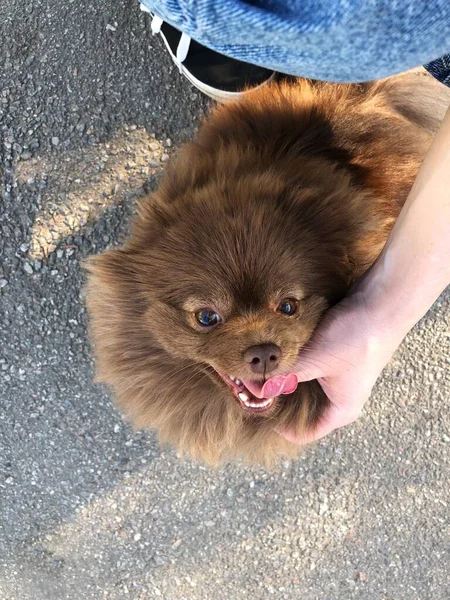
x,y
358,336
346,355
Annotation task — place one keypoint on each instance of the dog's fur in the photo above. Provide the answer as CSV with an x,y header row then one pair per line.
x,y
290,191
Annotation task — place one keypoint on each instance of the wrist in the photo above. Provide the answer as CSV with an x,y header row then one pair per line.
x,y
389,316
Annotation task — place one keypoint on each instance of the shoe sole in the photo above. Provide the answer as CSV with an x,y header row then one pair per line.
x,y
214,93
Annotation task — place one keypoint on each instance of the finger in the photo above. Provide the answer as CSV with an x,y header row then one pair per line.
x,y
307,437
334,418
306,367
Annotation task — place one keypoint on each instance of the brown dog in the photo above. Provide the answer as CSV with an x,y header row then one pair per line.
x,y
283,200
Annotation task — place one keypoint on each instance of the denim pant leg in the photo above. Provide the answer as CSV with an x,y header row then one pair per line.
x,y
342,40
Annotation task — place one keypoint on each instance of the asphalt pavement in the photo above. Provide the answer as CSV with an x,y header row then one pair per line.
x,y
90,110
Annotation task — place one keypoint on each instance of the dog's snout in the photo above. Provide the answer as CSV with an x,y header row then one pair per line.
x,y
263,358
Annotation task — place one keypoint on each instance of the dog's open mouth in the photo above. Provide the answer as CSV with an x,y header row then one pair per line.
x,y
259,396
246,399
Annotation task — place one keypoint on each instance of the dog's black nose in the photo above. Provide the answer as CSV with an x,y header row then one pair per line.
x,y
263,358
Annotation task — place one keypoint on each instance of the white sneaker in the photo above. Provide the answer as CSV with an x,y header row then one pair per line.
x,y
216,75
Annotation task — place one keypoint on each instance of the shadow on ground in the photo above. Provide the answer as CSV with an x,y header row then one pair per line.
x,y
90,110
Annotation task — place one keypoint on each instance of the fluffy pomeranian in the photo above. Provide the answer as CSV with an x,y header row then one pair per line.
x,y
260,224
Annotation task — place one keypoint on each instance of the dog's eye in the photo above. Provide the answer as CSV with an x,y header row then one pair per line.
x,y
288,307
208,317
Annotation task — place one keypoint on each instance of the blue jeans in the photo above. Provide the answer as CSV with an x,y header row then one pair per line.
x,y
332,40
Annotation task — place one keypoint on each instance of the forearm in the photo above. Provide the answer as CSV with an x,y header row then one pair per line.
x,y
414,267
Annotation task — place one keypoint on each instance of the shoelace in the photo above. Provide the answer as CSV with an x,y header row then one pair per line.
x,y
183,44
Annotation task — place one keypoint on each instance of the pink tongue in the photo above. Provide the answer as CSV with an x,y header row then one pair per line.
x,y
273,387
290,383
254,387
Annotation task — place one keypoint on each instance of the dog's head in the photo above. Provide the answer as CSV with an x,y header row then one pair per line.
x,y
231,269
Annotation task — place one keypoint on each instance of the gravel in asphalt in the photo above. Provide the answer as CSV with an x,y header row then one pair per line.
x,y
90,109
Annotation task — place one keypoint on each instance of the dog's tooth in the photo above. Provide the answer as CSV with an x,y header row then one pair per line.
x,y
246,400
265,404
237,381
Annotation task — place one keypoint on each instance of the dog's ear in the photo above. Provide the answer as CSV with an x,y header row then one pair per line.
x,y
116,305
105,297
110,275
108,265
113,288
191,168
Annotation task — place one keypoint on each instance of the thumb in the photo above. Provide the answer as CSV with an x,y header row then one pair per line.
x,y
307,368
